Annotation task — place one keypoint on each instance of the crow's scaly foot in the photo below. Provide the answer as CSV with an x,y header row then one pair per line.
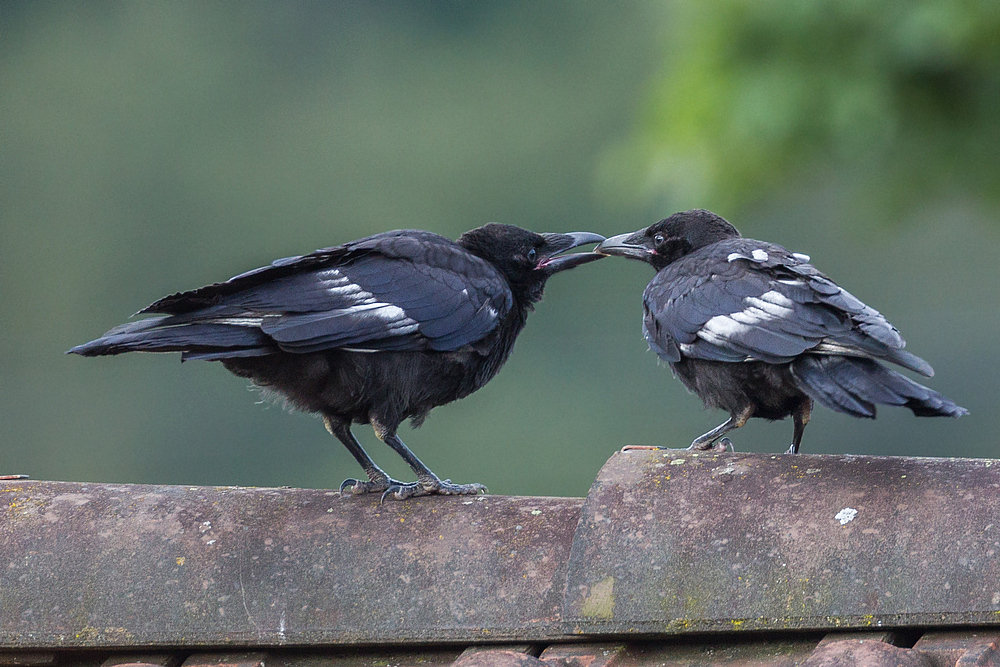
x,y
446,487
377,484
719,447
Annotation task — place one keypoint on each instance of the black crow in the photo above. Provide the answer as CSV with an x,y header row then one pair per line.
x,y
756,330
375,331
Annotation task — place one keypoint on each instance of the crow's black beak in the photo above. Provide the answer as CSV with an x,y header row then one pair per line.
x,y
631,245
558,243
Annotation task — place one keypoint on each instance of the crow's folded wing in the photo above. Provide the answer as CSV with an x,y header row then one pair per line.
x,y
757,301
403,290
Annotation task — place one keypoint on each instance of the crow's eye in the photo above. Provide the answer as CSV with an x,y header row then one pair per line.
x,y
659,239
531,255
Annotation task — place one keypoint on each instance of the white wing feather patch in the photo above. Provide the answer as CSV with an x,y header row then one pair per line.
x,y
239,321
721,327
365,302
767,307
757,255
777,298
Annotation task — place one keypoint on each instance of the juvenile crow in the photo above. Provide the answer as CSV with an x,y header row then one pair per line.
x,y
757,331
375,331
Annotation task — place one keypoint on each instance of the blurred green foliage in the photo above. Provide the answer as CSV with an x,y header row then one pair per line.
x,y
902,95
149,147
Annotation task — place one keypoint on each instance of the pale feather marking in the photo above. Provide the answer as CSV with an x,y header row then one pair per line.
x,y
239,321
720,328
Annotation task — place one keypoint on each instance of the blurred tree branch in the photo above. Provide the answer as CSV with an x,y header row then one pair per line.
x,y
901,97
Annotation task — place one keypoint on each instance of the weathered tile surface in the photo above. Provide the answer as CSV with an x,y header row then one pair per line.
x,y
120,565
673,542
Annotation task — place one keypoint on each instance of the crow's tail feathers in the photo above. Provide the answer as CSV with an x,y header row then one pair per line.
x,y
854,385
196,340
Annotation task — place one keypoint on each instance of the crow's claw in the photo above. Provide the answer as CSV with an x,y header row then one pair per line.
x,y
723,445
356,487
400,491
720,446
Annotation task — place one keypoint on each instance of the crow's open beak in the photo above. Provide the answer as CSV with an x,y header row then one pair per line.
x,y
631,245
559,243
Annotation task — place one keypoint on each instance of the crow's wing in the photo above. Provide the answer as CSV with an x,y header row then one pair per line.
x,y
403,290
741,300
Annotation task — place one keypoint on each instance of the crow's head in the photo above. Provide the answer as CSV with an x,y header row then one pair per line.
x,y
525,258
671,238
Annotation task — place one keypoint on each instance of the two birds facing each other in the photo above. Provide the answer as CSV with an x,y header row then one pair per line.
x,y
385,328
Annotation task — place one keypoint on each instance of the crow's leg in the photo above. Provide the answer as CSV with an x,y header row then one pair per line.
x,y
378,480
800,416
427,482
707,441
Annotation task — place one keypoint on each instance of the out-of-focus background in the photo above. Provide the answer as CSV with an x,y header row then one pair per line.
x,y
147,148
